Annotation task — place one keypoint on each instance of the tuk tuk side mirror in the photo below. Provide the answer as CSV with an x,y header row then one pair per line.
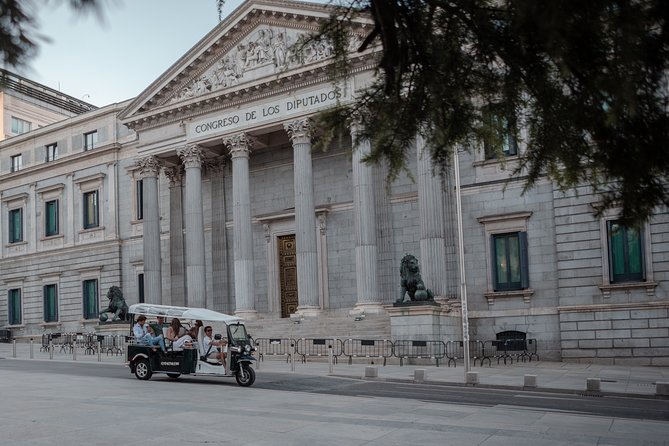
x,y
217,337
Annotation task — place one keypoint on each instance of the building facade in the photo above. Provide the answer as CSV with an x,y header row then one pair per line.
x,y
205,191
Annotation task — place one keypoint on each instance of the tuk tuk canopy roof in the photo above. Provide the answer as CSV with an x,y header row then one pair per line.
x,y
169,311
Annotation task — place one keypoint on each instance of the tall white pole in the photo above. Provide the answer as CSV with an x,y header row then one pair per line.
x,y
461,256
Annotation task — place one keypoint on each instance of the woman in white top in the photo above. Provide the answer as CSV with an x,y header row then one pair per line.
x,y
177,335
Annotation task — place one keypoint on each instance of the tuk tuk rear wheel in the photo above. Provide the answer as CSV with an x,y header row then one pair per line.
x,y
245,375
143,369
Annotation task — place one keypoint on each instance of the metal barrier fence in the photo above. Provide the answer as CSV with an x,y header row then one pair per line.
x,y
509,349
306,347
504,351
419,350
367,348
275,347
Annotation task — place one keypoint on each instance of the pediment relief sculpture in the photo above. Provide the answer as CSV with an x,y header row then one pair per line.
x,y
265,52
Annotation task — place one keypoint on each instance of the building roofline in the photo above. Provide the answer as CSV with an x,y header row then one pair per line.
x,y
20,84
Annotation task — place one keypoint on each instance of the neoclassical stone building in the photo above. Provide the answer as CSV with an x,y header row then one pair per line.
x,y
205,191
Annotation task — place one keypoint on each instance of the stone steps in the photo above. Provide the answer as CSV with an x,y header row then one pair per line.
x,y
326,326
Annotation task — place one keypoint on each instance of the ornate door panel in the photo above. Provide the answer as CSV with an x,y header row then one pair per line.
x,y
287,274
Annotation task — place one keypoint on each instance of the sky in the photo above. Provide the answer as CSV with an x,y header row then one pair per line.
x,y
109,61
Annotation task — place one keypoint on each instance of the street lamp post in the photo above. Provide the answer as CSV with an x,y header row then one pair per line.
x,y
461,258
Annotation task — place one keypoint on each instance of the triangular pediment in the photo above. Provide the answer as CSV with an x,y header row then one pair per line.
x,y
247,51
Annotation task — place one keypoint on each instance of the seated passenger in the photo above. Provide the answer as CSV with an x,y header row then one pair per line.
x,y
211,347
144,334
176,330
190,338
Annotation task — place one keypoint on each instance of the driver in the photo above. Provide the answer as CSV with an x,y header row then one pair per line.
x,y
209,344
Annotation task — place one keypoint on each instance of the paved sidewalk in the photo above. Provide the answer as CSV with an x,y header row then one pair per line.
x,y
550,376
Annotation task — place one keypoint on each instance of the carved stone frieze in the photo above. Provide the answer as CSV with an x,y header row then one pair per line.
x,y
149,166
299,130
266,51
191,156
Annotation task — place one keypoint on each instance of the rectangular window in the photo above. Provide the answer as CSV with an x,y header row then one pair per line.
x,y
51,152
51,218
501,139
90,140
140,287
625,253
17,162
16,225
140,199
20,126
509,257
14,301
50,303
91,210
90,299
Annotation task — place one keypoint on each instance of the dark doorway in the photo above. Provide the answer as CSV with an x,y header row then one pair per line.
x,y
287,274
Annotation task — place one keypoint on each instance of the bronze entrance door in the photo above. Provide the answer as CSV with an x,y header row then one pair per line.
x,y
287,274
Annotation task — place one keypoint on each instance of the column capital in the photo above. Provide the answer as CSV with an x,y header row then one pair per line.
x,y
215,165
149,166
299,130
174,174
239,145
191,155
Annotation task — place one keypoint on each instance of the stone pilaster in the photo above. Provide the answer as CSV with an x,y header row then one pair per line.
x,y
191,156
177,271
431,215
299,132
149,168
366,251
239,146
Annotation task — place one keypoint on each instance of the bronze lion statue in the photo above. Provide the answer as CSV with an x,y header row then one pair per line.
x,y
411,282
118,308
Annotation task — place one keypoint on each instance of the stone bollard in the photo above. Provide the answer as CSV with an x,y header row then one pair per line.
x,y
371,372
419,375
593,384
662,388
472,378
530,381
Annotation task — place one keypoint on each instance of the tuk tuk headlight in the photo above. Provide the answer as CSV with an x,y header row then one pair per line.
x,y
247,349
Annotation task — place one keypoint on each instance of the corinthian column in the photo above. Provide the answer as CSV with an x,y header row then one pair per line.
x,y
177,273
149,168
193,222
305,218
239,146
364,210
431,214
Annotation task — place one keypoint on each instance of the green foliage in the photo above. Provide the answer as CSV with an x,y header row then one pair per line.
x,y
587,80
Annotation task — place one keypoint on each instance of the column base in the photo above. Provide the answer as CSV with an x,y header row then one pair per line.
x,y
362,308
308,311
247,314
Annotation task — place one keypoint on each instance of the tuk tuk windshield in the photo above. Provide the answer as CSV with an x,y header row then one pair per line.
x,y
238,334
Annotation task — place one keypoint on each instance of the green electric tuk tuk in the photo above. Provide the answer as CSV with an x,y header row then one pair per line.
x,y
144,360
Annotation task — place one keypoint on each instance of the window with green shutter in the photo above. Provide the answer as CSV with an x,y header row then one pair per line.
x,y
509,257
625,253
91,210
50,303
90,306
16,225
51,218
14,306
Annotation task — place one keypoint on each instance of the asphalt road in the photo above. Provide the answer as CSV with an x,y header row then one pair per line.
x,y
610,406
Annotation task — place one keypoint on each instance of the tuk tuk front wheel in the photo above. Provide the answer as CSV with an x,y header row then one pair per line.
x,y
143,369
245,375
